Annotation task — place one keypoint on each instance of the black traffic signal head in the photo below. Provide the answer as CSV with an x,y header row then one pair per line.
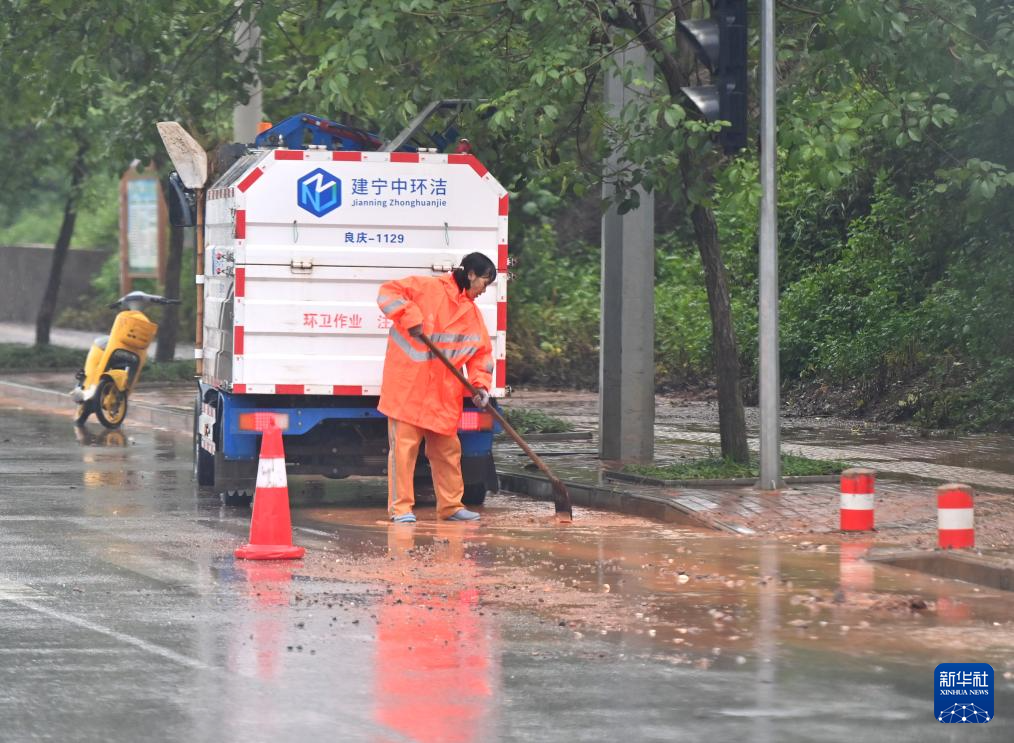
x,y
719,43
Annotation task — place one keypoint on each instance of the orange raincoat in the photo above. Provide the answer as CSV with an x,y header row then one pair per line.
x,y
417,388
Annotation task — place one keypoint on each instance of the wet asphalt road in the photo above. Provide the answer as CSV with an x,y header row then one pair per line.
x,y
123,617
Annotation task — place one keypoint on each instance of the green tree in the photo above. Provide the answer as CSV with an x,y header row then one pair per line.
x,y
539,65
87,81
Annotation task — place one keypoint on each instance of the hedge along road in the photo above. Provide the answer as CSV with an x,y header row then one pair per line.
x,y
123,614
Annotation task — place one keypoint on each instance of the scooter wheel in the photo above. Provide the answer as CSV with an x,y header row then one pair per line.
x,y
110,404
83,411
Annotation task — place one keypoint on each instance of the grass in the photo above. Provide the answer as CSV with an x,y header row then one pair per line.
x,y
720,469
529,420
20,357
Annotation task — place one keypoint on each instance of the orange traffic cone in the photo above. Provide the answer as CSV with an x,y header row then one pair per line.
x,y
270,526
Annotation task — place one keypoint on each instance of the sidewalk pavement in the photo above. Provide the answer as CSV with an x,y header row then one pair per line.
x,y
909,467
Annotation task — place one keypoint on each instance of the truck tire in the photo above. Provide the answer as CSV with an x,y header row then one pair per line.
x,y
475,494
235,498
204,461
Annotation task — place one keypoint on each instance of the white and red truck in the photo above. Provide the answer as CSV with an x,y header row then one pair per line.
x,y
298,237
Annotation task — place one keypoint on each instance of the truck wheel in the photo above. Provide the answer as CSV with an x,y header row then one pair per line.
x,y
475,494
110,403
204,461
238,498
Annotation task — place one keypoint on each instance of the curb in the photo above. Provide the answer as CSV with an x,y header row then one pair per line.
x,y
140,412
992,572
632,504
716,482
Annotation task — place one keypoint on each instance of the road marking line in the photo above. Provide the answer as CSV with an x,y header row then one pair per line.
x,y
15,595
61,651
15,592
318,532
19,590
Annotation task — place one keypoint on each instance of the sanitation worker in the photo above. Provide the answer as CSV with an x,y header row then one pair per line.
x,y
419,395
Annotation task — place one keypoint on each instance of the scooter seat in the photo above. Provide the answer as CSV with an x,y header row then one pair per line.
x,y
102,341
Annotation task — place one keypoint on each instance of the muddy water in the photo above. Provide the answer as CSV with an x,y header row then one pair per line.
x,y
690,595
771,640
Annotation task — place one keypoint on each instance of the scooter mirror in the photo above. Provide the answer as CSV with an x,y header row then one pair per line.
x,y
182,203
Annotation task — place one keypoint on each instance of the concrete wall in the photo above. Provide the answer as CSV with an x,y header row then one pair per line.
x,y
24,271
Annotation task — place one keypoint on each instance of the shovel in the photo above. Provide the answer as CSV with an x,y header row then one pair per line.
x,y
564,512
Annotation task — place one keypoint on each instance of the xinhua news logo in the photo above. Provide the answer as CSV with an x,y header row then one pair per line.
x,y
319,192
964,692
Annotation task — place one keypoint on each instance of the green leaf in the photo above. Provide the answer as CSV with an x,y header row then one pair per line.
x,y
673,115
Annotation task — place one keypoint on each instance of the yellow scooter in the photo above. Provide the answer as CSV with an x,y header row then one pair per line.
x,y
115,361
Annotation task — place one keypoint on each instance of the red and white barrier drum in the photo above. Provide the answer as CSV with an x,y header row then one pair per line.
x,y
955,516
857,499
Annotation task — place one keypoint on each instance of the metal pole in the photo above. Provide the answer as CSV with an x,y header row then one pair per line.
x,y
246,117
770,448
627,325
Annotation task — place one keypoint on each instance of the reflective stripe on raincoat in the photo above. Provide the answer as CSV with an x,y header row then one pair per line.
x,y
417,388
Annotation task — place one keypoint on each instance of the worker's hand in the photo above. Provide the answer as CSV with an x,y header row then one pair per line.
x,y
481,398
416,331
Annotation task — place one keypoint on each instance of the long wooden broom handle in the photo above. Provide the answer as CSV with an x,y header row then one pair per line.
x,y
496,413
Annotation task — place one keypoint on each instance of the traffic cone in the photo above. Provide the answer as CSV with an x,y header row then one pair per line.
x,y
271,526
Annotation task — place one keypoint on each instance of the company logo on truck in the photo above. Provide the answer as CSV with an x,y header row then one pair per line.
x,y
319,192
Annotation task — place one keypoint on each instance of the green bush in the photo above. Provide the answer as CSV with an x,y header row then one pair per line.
x,y
529,420
182,370
717,468
20,357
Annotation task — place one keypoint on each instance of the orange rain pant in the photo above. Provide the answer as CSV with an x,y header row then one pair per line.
x,y
444,453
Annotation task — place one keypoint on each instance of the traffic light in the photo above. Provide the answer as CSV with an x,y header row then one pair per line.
x,y
720,44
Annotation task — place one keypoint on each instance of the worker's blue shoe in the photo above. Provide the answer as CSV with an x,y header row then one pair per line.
x,y
405,518
463,514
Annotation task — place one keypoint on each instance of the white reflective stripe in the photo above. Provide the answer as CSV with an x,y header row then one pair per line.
x,y
415,355
857,501
271,473
388,305
955,518
454,338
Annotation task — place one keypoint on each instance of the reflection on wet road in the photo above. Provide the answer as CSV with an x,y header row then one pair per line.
x,y
124,616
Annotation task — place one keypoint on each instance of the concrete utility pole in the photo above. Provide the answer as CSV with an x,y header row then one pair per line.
x,y
770,446
246,117
627,330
